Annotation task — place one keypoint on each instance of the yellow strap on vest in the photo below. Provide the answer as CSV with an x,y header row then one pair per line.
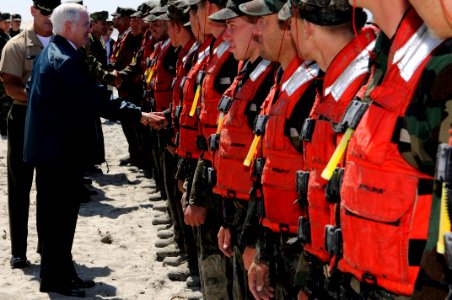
x,y
444,221
337,155
220,121
195,101
151,73
252,150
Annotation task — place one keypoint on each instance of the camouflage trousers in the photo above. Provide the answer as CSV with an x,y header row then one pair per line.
x,y
212,263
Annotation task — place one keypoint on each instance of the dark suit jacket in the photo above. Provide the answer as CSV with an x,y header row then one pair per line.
x,y
64,101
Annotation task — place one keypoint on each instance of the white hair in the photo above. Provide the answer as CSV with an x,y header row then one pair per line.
x,y
66,12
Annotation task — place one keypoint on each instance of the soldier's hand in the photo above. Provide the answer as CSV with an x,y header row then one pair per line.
x,y
224,241
118,80
180,186
259,281
248,256
153,119
195,215
171,149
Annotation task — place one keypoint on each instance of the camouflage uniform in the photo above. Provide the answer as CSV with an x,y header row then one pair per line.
x,y
5,100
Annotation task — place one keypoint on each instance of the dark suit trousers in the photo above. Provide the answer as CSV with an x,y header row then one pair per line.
x,y
58,204
20,178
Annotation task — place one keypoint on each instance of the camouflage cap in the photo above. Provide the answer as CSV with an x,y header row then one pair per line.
x,y
150,18
178,10
99,16
286,11
261,7
116,12
5,17
324,12
229,12
160,8
46,7
16,17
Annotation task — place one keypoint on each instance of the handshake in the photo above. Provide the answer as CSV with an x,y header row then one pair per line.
x,y
154,119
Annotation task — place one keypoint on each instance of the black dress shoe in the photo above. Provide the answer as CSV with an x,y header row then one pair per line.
x,y
68,289
19,262
87,180
83,284
124,162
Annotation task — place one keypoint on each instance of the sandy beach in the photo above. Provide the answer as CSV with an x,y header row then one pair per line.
x,y
122,213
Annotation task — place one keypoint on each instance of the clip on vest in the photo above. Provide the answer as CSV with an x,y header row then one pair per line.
x,y
448,249
201,142
259,167
211,176
214,142
176,139
302,182
333,187
353,115
333,240
182,82
307,130
304,230
178,111
225,104
259,124
444,164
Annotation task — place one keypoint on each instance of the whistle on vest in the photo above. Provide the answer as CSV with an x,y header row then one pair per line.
x,y
307,130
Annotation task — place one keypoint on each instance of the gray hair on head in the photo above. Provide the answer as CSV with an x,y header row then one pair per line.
x,y
66,12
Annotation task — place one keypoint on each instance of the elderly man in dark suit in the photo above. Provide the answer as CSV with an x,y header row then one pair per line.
x,y
63,102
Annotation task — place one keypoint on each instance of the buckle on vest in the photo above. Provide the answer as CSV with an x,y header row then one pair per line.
x,y
201,142
259,167
182,82
211,176
448,249
333,240
200,77
214,141
149,62
178,111
198,111
333,187
304,230
225,104
307,130
354,113
302,182
259,124
176,139
444,164
173,83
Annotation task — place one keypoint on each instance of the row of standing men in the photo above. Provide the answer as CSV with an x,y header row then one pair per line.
x,y
310,171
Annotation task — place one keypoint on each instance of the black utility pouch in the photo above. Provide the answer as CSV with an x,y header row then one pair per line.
x,y
355,111
333,240
307,130
211,176
304,230
225,104
201,143
444,164
333,187
214,141
259,124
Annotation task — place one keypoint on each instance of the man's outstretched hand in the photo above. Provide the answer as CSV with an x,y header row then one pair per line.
x,y
154,119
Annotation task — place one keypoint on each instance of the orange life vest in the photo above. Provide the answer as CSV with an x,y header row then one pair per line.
x,y
282,160
233,178
385,208
209,96
346,75
188,130
162,79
